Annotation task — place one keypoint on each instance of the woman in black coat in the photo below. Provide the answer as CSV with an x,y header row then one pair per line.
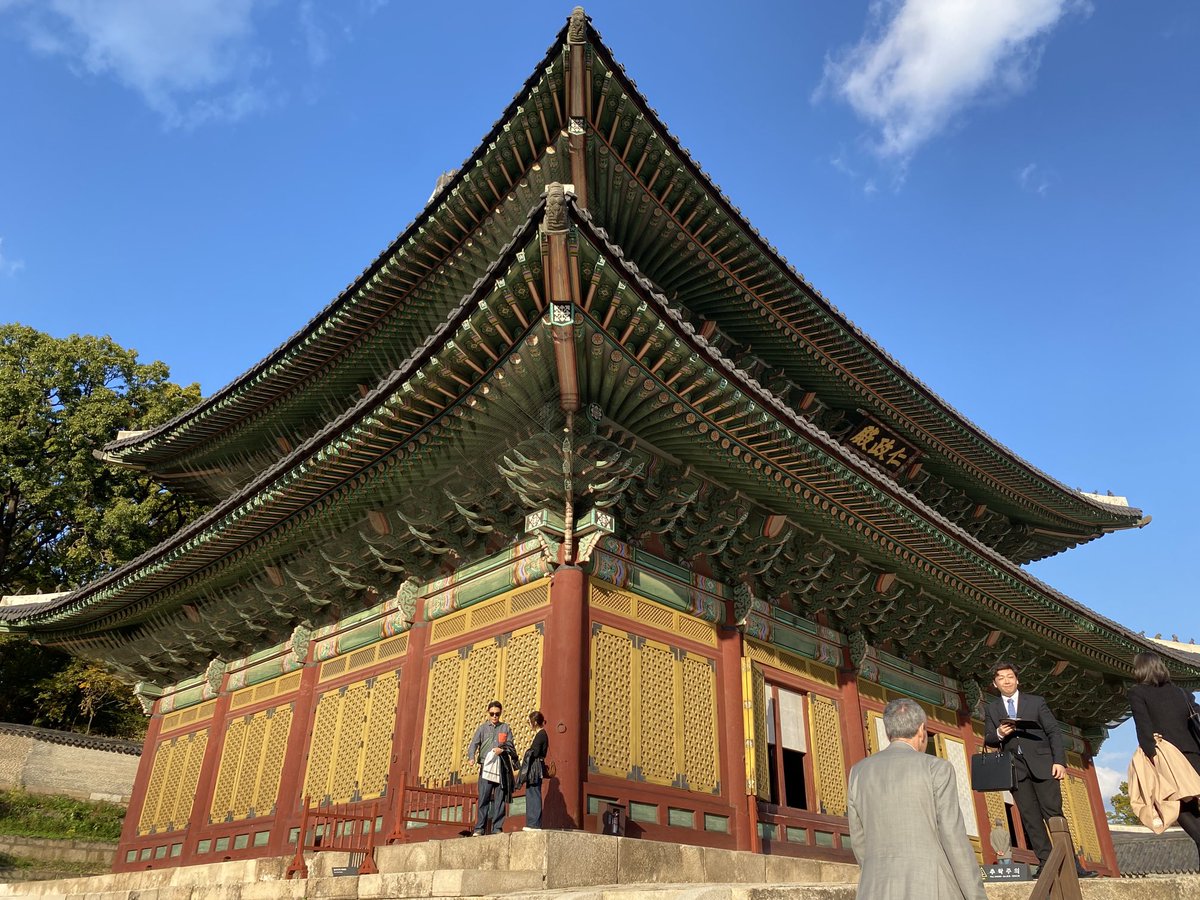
x,y
1162,707
533,770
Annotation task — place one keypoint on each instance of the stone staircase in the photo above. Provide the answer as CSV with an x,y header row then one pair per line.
x,y
563,865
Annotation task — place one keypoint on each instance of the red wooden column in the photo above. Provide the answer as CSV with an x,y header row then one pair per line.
x,y
853,721
137,797
410,709
564,696
1096,801
289,801
207,781
733,739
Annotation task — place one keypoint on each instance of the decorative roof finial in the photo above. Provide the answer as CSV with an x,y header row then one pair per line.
x,y
556,207
577,31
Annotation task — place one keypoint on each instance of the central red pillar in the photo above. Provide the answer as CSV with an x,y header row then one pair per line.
x,y
564,697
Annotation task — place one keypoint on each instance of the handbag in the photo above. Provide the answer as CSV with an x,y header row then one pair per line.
x,y
992,771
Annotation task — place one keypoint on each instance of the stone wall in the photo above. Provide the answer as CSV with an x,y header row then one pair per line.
x,y
56,762
59,851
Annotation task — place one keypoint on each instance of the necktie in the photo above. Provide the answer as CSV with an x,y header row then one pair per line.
x,y
1012,708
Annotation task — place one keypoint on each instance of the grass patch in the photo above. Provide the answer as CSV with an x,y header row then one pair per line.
x,y
60,818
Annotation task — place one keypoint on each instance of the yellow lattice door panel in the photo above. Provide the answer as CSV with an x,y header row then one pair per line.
x,y
656,697
461,684
521,689
377,741
874,732
441,750
270,770
173,779
252,762
352,741
348,742
251,765
754,730
996,812
611,703
221,809
701,765
320,751
481,685
1077,808
829,761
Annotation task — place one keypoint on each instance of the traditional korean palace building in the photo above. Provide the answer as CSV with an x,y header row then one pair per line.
x,y
580,439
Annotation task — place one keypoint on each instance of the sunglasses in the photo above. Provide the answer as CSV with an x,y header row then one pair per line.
x,y
493,715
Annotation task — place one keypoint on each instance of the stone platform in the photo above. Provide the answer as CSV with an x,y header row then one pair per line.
x,y
536,866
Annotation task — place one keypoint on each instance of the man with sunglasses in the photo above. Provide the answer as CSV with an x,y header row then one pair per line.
x,y
492,748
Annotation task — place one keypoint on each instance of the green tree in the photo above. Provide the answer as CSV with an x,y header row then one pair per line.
x,y
1122,812
66,517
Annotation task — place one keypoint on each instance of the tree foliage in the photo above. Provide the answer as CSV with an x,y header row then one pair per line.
x,y
66,517
1122,812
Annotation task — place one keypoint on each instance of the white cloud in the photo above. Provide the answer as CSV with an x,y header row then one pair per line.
x,y
924,61
190,60
1034,179
315,41
9,266
1109,778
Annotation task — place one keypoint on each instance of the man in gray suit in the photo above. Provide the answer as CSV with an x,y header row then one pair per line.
x,y
905,822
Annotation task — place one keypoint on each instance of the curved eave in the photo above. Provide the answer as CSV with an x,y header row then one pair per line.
x,y
296,485
978,457
308,353
922,540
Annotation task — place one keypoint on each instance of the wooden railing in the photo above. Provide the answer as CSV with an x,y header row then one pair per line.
x,y
433,811
351,827
1058,879
345,827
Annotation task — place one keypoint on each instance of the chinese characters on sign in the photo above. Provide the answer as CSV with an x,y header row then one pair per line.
x,y
882,446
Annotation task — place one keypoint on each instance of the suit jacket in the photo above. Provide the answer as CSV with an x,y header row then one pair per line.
x,y
906,829
1040,745
1162,709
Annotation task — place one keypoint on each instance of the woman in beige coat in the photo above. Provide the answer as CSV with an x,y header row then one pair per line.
x,y
1162,707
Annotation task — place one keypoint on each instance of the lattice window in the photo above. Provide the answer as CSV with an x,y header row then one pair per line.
x,y
461,683
231,763
377,741
348,743
996,811
251,765
266,791
954,751
754,726
699,723
1077,808
173,778
522,682
829,762
612,703
657,733
653,712
441,748
320,751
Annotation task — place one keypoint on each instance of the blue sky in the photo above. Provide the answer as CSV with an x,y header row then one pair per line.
x,y
1003,195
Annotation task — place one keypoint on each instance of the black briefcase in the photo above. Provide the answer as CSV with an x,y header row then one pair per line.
x,y
992,771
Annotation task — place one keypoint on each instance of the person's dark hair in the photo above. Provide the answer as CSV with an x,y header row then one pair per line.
x,y
497,704
1148,668
1001,666
536,718
902,718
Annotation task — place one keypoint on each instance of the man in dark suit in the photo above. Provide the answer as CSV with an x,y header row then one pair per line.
x,y
1036,745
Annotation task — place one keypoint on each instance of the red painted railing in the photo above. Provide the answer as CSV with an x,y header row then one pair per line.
x,y
432,811
344,827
